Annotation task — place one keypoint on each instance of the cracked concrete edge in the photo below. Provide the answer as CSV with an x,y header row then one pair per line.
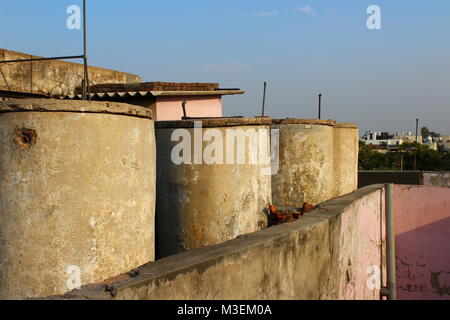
x,y
58,105
233,122
319,122
203,258
213,122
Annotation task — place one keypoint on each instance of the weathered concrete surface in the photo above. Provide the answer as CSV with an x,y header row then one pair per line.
x,y
437,179
55,105
76,189
324,255
422,218
306,162
214,123
346,151
55,78
201,204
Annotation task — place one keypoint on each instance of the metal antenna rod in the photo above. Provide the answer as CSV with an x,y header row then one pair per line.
x,y
320,106
264,99
415,147
86,86
85,83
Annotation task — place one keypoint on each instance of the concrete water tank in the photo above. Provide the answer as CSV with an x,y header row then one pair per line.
x,y
346,152
77,194
306,167
206,193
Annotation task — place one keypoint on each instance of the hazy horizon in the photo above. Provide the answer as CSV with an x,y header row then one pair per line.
x,y
380,79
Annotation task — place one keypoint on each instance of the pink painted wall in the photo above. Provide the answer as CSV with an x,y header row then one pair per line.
x,y
362,233
169,108
422,242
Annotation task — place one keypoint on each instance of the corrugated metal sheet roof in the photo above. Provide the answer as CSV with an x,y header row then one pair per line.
x,y
133,94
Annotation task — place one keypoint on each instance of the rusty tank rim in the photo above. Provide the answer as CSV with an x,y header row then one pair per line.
x,y
214,123
317,122
72,106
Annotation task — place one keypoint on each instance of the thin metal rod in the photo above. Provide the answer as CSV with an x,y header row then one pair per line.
x,y
391,290
87,89
415,147
264,99
183,105
31,75
85,83
4,79
42,59
320,106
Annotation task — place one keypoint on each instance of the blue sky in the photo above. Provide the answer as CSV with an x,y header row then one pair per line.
x,y
380,79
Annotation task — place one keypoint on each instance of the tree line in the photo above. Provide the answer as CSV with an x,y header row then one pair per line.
x,y
402,158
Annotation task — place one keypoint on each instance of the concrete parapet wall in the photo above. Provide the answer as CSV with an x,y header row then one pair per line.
x,y
437,179
325,255
55,77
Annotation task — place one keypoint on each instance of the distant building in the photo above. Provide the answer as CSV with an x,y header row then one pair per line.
x,y
383,141
380,139
447,146
408,137
446,143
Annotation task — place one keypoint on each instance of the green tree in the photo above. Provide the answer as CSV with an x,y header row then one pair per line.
x,y
425,132
427,159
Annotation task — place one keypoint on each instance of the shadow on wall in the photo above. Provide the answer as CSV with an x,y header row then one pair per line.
x,y
423,268
422,242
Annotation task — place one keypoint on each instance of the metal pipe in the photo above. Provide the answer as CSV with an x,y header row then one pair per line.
x,y
85,83
83,89
87,89
391,290
31,75
320,106
415,147
4,79
264,99
42,59
183,104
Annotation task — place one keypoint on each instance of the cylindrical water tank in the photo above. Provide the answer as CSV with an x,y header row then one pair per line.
x,y
346,151
207,191
77,194
306,169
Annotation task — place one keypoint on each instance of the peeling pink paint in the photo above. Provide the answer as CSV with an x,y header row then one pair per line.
x,y
422,242
362,233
